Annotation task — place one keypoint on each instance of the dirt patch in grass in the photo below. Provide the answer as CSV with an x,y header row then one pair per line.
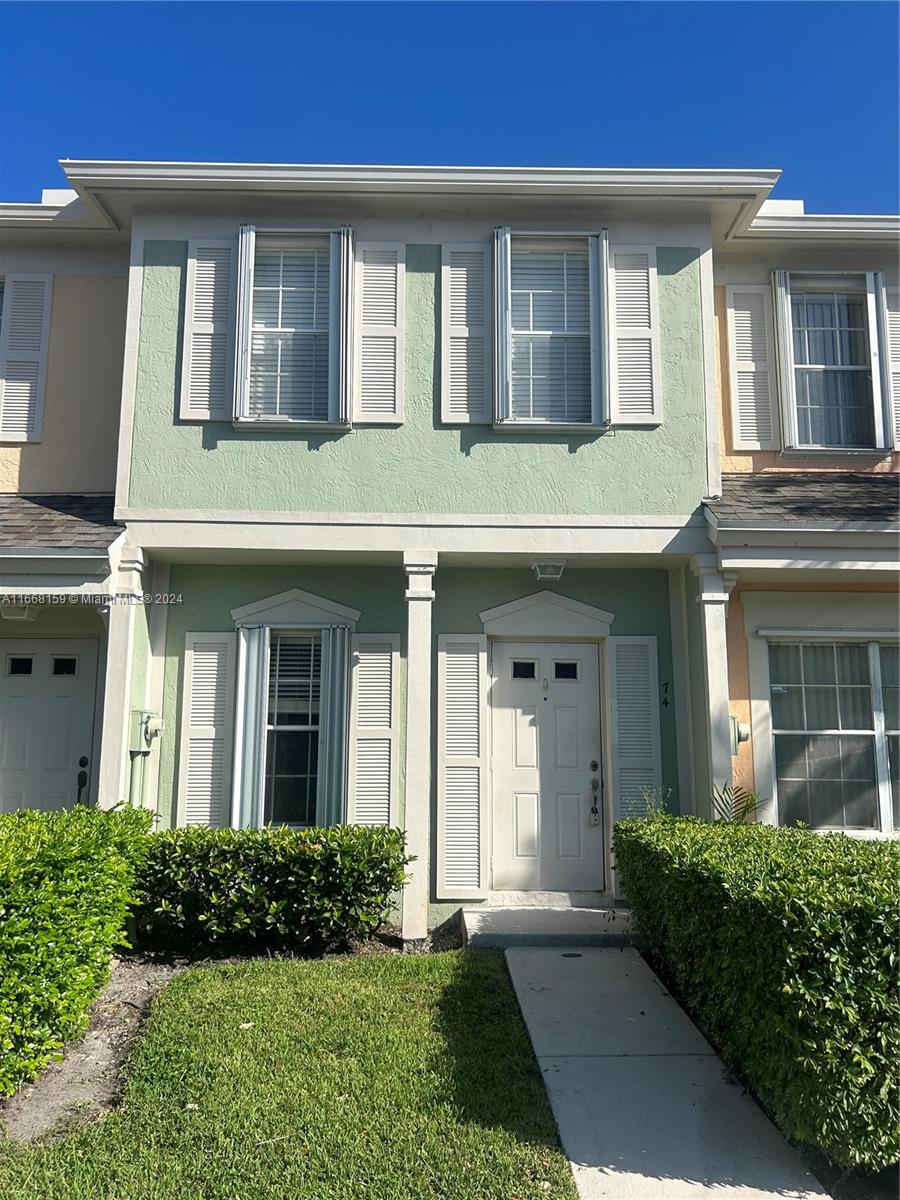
x,y
86,1082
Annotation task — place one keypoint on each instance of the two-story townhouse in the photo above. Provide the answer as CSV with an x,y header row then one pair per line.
x,y
806,528
412,468
63,296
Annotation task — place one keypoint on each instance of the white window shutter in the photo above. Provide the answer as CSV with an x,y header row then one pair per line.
x,y
246,261
465,335
379,351
784,349
462,767
892,340
634,692
207,729
634,342
502,328
207,356
340,367
373,730
751,355
24,335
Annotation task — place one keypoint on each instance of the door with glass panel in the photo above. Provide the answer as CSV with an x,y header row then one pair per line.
x,y
47,693
835,711
290,791
547,829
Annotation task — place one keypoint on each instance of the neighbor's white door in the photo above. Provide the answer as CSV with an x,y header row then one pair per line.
x,y
545,760
47,693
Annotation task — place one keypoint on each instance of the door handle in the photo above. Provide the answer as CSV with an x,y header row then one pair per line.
x,y
595,793
82,777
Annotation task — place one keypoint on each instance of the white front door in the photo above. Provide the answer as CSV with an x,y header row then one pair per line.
x,y
547,830
47,694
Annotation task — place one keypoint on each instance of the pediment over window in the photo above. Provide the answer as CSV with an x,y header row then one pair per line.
x,y
295,607
546,615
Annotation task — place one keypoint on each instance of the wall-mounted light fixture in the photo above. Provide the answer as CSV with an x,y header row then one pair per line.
x,y
549,570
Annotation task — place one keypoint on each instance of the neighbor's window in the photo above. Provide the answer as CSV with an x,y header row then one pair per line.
x,y
551,339
836,735
292,729
289,336
832,368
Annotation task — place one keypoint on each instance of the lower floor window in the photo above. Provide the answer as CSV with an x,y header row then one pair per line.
x,y
836,725
292,730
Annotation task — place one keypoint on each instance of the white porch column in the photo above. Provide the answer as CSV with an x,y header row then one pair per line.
x,y
420,566
125,588
713,602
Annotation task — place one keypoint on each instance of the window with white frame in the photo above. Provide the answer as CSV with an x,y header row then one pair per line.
x,y
836,732
830,355
550,309
832,368
292,729
289,339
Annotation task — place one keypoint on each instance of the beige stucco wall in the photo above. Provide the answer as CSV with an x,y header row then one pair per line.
x,y
77,450
748,461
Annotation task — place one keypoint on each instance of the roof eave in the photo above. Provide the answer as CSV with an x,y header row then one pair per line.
x,y
87,176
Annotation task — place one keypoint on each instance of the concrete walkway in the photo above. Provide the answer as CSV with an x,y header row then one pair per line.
x,y
643,1108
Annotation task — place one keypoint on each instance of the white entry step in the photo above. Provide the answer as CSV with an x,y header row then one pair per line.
x,y
502,926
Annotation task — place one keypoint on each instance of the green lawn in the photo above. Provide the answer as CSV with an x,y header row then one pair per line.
x,y
378,1078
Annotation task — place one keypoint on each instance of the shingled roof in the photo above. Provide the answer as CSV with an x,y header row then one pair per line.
x,y
57,522
812,498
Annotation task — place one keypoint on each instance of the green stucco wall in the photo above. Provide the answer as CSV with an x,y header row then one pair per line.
x,y
420,466
638,598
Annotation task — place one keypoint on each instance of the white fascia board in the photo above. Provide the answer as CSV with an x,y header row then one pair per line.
x,y
52,552
738,532
75,216
824,227
741,184
557,539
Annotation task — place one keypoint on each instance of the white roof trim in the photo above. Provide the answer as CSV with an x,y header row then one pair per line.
x,y
546,614
295,607
823,227
361,177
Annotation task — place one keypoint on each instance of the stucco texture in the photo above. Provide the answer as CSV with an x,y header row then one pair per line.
x,y
420,466
77,450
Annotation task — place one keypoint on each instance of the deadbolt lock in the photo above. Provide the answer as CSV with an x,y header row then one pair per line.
x,y
595,766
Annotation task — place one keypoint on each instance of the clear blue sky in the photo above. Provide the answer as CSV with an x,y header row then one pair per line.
x,y
806,86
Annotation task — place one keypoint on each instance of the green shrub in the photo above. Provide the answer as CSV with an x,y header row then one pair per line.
x,y
279,888
783,944
65,885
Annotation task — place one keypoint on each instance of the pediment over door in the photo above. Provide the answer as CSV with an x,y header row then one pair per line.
x,y
547,615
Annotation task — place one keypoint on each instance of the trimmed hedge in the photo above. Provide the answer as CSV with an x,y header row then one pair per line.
x,y
274,888
783,944
65,884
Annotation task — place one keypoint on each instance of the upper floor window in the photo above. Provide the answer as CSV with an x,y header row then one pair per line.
x,y
832,367
551,330
299,329
289,339
550,309
811,362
